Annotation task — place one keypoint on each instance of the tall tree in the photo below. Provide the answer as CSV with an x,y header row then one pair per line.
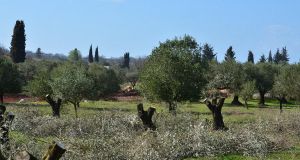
x,y
126,60
262,59
270,58
277,57
230,54
17,49
38,53
96,55
208,52
250,57
91,58
284,55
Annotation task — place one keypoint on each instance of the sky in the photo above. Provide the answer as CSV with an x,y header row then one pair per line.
x,y
137,26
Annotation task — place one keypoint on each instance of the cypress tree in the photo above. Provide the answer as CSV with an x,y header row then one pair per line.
x,y
284,55
277,57
262,59
38,53
250,57
17,49
230,54
91,59
208,52
96,55
126,60
270,58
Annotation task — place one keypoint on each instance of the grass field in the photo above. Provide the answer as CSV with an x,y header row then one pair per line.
x,y
116,126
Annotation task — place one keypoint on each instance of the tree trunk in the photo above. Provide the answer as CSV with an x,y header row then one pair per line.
x,y
217,114
146,116
262,99
284,100
75,108
281,101
236,101
246,104
1,98
172,108
54,105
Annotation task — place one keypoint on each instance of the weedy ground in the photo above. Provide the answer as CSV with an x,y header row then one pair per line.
x,y
112,130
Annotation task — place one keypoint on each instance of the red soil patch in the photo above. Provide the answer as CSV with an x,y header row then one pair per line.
x,y
15,98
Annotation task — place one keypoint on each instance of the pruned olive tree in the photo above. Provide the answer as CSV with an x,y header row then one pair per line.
x,y
229,75
173,72
71,83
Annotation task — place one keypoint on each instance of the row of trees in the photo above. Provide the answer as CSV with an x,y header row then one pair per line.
x,y
181,70
279,57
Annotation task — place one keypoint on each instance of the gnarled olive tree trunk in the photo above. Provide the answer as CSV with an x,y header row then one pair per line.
x,y
216,109
262,98
55,105
236,101
146,116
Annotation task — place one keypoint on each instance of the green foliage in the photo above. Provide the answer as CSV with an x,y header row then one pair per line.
x,y
264,76
105,81
74,55
10,81
17,49
173,71
91,58
71,83
248,89
39,86
228,75
230,54
287,82
250,57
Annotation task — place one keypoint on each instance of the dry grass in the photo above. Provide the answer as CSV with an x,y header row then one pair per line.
x,y
120,135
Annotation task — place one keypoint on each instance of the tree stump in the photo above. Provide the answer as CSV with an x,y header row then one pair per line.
x,y
24,155
55,105
55,151
146,116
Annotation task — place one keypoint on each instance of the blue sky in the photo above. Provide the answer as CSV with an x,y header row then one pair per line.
x,y
137,26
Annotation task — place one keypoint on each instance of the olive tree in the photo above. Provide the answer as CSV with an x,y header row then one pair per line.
x,y
173,72
71,83
229,75
286,84
248,89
